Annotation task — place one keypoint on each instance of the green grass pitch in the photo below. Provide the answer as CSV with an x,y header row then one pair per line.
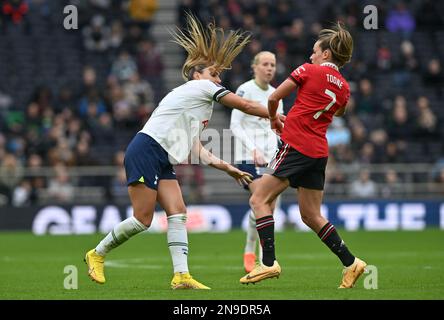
x,y
410,265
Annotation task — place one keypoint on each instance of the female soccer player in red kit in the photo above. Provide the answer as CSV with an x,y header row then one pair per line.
x,y
301,161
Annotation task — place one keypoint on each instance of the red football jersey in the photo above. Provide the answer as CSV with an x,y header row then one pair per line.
x,y
322,91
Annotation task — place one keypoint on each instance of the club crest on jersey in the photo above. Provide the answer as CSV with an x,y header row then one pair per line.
x,y
205,123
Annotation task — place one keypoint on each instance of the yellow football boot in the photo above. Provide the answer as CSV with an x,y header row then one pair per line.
x,y
262,272
351,273
95,264
186,281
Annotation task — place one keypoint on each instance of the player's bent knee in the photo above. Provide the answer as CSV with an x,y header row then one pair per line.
x,y
257,203
144,217
308,218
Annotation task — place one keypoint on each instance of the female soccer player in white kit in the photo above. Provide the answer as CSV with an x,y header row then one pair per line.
x,y
168,137
256,143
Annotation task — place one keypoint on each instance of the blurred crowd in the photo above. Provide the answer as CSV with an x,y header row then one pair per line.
x,y
86,117
395,113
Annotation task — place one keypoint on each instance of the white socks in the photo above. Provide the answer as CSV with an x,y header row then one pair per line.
x,y
120,233
178,241
252,235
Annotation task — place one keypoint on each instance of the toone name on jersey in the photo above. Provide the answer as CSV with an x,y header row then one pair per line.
x,y
334,80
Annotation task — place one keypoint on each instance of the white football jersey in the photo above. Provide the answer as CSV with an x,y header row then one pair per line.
x,y
252,132
182,115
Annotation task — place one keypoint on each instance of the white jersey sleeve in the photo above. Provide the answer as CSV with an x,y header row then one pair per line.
x,y
182,115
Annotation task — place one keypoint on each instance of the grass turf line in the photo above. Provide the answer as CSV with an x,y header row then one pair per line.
x,y
410,265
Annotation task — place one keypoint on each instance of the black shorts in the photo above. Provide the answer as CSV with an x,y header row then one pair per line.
x,y
300,170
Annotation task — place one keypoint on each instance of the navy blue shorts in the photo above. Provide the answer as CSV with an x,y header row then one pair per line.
x,y
147,162
249,167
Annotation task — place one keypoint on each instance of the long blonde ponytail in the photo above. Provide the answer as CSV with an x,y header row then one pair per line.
x,y
208,47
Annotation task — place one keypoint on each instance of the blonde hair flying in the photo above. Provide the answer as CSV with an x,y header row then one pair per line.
x,y
208,47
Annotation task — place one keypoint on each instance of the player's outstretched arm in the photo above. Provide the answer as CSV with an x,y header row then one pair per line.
x,y
206,157
284,89
247,106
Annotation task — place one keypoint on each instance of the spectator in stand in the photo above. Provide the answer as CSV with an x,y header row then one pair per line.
x,y
283,15
378,138
65,99
35,176
121,108
102,131
90,104
83,157
406,65
400,20
150,66
89,80
22,194
96,36
60,188
358,132
140,96
61,153
400,128
364,187
384,57
11,173
141,12
119,189
14,15
392,186
366,102
439,182
426,121
5,102
296,40
337,177
124,67
367,153
117,34
433,77
392,154
249,23
338,133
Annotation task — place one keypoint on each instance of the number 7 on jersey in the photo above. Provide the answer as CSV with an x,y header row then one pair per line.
x,y
332,95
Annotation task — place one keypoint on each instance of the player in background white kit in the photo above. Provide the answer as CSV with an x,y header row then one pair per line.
x,y
168,138
255,143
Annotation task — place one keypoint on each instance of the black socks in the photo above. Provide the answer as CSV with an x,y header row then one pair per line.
x,y
331,238
265,228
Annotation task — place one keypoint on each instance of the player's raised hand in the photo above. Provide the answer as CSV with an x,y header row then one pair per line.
x,y
242,178
258,158
277,125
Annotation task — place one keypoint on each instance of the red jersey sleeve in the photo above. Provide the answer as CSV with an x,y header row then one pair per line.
x,y
300,74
